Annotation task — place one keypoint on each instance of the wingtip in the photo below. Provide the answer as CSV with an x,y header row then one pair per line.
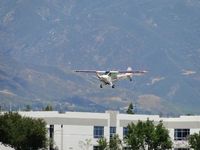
x,y
145,71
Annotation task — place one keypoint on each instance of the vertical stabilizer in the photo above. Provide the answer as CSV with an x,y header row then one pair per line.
x,y
129,75
129,69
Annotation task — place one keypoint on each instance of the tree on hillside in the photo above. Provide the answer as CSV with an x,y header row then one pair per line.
x,y
146,134
22,133
130,109
48,108
194,141
28,108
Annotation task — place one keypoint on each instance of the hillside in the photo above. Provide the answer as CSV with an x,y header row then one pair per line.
x,y
42,42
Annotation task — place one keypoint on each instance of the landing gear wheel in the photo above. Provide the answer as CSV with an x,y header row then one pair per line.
x,y
113,86
101,86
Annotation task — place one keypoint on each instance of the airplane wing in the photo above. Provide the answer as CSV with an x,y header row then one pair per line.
x,y
134,72
112,72
89,71
86,71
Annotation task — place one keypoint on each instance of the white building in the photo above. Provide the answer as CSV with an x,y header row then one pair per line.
x,y
3,147
81,130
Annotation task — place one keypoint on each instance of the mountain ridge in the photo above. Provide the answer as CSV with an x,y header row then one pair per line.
x,y
41,43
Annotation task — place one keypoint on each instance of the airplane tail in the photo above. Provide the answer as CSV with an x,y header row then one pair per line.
x,y
129,69
129,76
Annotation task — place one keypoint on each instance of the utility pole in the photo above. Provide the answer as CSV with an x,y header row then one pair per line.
x,y
61,137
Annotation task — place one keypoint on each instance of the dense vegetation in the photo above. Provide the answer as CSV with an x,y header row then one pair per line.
x,y
146,134
194,141
115,143
141,135
22,133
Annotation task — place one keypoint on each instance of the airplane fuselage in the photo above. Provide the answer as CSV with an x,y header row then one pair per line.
x,y
108,79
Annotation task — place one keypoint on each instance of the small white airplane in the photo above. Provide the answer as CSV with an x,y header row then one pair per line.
x,y
108,77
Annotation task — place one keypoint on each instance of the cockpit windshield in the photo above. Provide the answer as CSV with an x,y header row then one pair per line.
x,y
107,72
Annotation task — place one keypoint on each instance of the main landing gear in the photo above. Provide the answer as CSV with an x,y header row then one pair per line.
x,y
130,79
101,86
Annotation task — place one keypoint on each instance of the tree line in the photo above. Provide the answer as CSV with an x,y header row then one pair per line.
x,y
140,136
24,133
144,135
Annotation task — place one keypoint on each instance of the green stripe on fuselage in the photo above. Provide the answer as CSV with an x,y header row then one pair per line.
x,y
113,75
